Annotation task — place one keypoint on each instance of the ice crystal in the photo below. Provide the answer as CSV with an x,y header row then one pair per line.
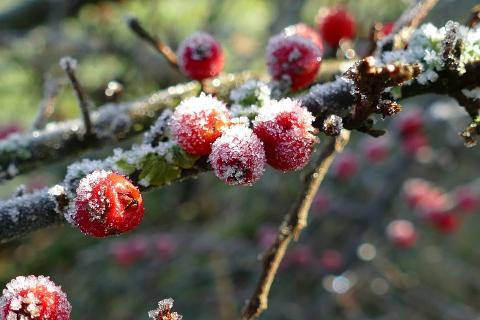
x,y
249,98
164,311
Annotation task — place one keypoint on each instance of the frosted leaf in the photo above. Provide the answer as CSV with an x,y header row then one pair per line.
x,y
249,97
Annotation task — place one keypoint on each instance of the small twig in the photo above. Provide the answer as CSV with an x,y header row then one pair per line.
x,y
475,17
51,89
69,65
291,226
156,43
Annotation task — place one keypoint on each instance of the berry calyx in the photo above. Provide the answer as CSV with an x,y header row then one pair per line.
x,y
238,156
402,233
107,203
295,59
34,298
302,29
285,127
197,122
336,24
200,56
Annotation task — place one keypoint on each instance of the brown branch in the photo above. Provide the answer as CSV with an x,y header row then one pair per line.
x,y
69,65
156,43
291,226
475,17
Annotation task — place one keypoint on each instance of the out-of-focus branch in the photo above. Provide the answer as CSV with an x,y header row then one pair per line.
x,y
291,227
51,89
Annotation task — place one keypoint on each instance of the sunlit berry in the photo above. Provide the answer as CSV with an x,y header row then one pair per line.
x,y
336,24
304,30
402,233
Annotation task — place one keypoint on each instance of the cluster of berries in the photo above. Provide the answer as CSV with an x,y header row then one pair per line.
x,y
281,135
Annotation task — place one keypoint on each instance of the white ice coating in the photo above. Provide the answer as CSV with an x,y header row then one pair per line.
x,y
30,303
249,98
164,308
294,41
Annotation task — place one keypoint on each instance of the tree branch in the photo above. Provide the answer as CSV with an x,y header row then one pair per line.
x,y
291,226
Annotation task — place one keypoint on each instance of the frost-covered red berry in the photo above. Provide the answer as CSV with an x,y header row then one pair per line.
x,y
33,297
295,59
106,203
197,122
302,29
402,233
285,127
200,56
238,156
336,24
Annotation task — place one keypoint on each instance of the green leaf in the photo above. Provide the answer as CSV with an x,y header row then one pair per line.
x,y
182,159
157,171
125,166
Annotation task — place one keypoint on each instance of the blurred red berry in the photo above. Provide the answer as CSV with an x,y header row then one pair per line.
x,y
200,56
306,31
238,156
376,149
346,166
127,252
165,246
322,201
387,28
285,127
9,129
414,143
301,256
331,260
410,123
34,298
293,58
106,204
466,199
197,122
401,233
424,197
444,221
336,24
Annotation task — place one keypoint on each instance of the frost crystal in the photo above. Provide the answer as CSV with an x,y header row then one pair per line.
x,y
164,311
249,97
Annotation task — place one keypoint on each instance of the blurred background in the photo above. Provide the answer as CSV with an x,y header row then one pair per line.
x,y
393,231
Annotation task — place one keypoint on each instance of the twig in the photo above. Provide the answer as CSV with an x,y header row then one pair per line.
x,y
156,43
69,65
475,17
291,227
47,105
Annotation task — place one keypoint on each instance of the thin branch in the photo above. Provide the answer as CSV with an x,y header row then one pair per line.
x,y
291,227
51,89
156,43
69,65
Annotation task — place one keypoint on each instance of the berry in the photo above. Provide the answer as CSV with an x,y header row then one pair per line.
x,y
301,29
285,127
197,122
127,252
414,143
322,202
200,56
401,233
300,256
165,246
293,58
346,166
444,221
331,260
107,203
336,24
9,129
387,28
376,149
466,199
424,197
34,297
410,123
238,157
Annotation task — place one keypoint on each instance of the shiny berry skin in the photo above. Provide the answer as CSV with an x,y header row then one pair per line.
x,y
336,24
295,59
197,122
106,204
238,156
200,56
33,297
285,127
401,233
302,29
346,166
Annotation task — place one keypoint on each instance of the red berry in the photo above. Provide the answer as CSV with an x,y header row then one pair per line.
x,y
331,260
33,297
413,144
197,122
165,246
322,202
302,29
424,197
444,221
301,256
376,149
336,24
387,28
285,127
9,129
466,199
346,166
402,233
107,203
200,56
410,123
293,58
238,157
127,252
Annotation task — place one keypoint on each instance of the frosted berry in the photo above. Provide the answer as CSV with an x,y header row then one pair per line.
x,y
197,122
336,24
295,59
401,233
238,157
107,203
200,56
33,297
285,127
346,166
301,29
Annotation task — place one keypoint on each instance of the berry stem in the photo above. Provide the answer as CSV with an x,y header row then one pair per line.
x,y
162,48
291,226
